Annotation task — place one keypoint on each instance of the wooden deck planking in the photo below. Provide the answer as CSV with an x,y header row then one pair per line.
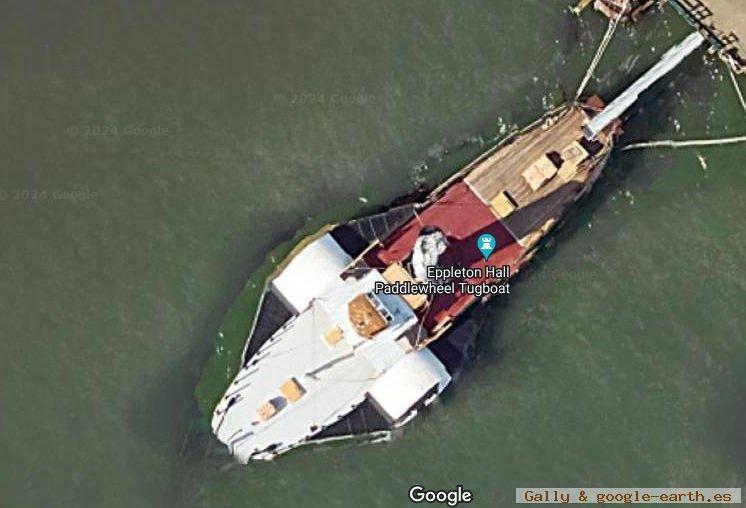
x,y
503,171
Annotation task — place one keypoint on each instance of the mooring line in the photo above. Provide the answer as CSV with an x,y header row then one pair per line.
x,y
601,49
737,87
684,144
699,142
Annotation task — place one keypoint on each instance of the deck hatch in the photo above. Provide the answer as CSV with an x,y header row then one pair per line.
x,y
292,390
366,317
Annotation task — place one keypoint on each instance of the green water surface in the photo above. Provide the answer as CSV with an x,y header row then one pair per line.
x,y
155,153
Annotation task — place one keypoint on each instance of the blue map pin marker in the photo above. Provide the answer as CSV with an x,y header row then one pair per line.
x,y
486,244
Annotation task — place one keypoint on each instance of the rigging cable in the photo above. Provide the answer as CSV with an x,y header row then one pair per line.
x,y
601,49
421,323
684,144
735,84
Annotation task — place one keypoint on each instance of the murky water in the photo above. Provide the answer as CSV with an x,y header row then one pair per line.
x,y
153,153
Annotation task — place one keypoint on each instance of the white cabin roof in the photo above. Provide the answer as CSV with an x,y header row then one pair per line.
x,y
335,378
313,270
404,384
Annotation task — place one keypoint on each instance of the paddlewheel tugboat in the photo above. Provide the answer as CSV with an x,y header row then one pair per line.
x,y
334,354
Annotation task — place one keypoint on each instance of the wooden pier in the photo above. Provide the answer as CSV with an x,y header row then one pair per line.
x,y
723,22
626,10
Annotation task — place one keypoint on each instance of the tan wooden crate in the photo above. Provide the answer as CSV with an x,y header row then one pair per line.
x,y
333,336
266,411
397,273
292,390
502,205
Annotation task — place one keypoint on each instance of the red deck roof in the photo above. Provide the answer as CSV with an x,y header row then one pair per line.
x,y
462,216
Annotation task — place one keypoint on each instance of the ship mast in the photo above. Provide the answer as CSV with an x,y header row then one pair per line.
x,y
670,60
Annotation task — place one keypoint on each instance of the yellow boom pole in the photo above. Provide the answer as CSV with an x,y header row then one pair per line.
x,y
581,5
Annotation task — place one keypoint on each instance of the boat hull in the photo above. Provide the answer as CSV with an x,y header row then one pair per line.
x,y
466,204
